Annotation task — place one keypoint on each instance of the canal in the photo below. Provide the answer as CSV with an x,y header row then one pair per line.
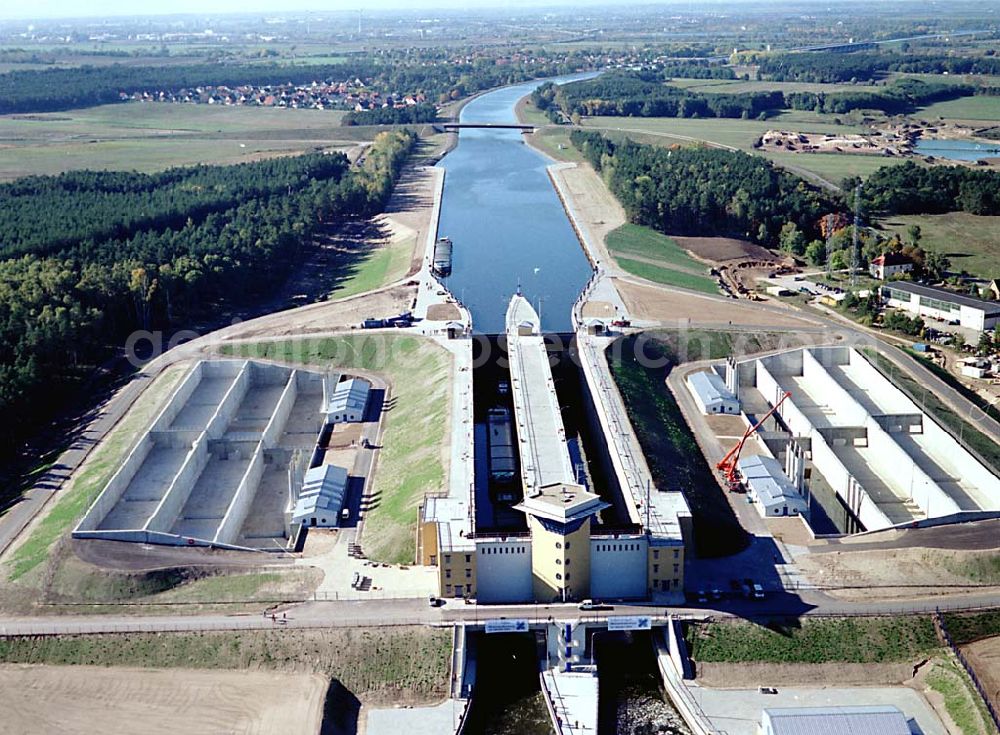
x,y
508,226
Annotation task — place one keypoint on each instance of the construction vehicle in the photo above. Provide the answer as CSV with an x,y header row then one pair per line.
x,y
727,465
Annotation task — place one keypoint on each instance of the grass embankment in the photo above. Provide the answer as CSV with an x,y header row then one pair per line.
x,y
83,489
971,242
410,663
646,253
411,462
961,701
379,267
976,108
153,136
977,441
675,460
841,640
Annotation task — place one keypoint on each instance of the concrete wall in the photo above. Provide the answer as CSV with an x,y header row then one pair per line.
x,y
180,488
972,469
618,567
282,410
239,506
850,412
179,398
229,404
503,570
116,487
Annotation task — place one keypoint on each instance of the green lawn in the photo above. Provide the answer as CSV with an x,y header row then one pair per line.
x,y
979,107
81,491
379,267
646,253
846,640
970,241
411,462
153,136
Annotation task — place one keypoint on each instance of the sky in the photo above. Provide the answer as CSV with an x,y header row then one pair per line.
x,y
19,9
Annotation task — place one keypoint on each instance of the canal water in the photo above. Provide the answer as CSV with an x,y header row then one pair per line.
x,y
957,150
506,221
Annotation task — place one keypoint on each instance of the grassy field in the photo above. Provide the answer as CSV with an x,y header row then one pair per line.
x,y
846,640
412,459
379,267
977,108
81,491
738,86
966,628
153,136
648,254
410,663
970,241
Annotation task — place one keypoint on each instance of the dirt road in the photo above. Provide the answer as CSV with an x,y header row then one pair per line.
x,y
91,699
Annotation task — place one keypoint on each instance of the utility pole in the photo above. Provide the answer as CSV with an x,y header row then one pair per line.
x,y
856,250
829,241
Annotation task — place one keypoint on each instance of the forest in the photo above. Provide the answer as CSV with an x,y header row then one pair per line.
x,y
413,114
707,191
640,94
913,189
833,67
88,257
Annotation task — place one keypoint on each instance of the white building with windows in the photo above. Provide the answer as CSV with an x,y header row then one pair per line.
x,y
941,304
770,488
347,401
711,394
321,498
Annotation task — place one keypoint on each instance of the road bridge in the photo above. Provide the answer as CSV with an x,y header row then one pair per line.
x,y
451,127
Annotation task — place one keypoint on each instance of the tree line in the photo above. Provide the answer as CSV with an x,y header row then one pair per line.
x,y
49,90
833,67
156,251
424,112
637,94
707,191
913,189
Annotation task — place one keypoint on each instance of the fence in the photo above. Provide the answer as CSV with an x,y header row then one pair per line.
x,y
942,630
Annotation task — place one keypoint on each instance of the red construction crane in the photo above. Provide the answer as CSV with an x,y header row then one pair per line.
x,y
727,465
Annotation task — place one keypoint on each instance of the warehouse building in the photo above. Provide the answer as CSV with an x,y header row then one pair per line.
x,y
711,394
941,304
347,401
870,720
321,497
770,488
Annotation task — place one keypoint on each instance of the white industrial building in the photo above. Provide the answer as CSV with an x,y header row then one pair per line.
x,y
711,394
938,303
889,462
770,488
321,498
347,400
866,720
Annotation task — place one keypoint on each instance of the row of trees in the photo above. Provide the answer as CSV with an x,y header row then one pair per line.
x,y
64,307
702,191
643,95
637,94
832,67
913,189
424,112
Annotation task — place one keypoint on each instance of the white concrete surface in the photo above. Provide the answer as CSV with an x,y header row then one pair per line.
x,y
573,696
436,720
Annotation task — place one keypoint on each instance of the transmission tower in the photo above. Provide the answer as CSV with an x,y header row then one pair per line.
x,y
856,249
828,245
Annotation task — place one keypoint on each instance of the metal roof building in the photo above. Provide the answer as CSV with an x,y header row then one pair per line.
x,y
711,394
321,497
770,487
348,402
939,303
872,720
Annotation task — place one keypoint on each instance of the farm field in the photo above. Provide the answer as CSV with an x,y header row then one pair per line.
x,y
152,136
739,86
412,459
971,242
91,699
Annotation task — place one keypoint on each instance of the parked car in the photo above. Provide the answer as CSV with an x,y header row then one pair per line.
x,y
433,601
